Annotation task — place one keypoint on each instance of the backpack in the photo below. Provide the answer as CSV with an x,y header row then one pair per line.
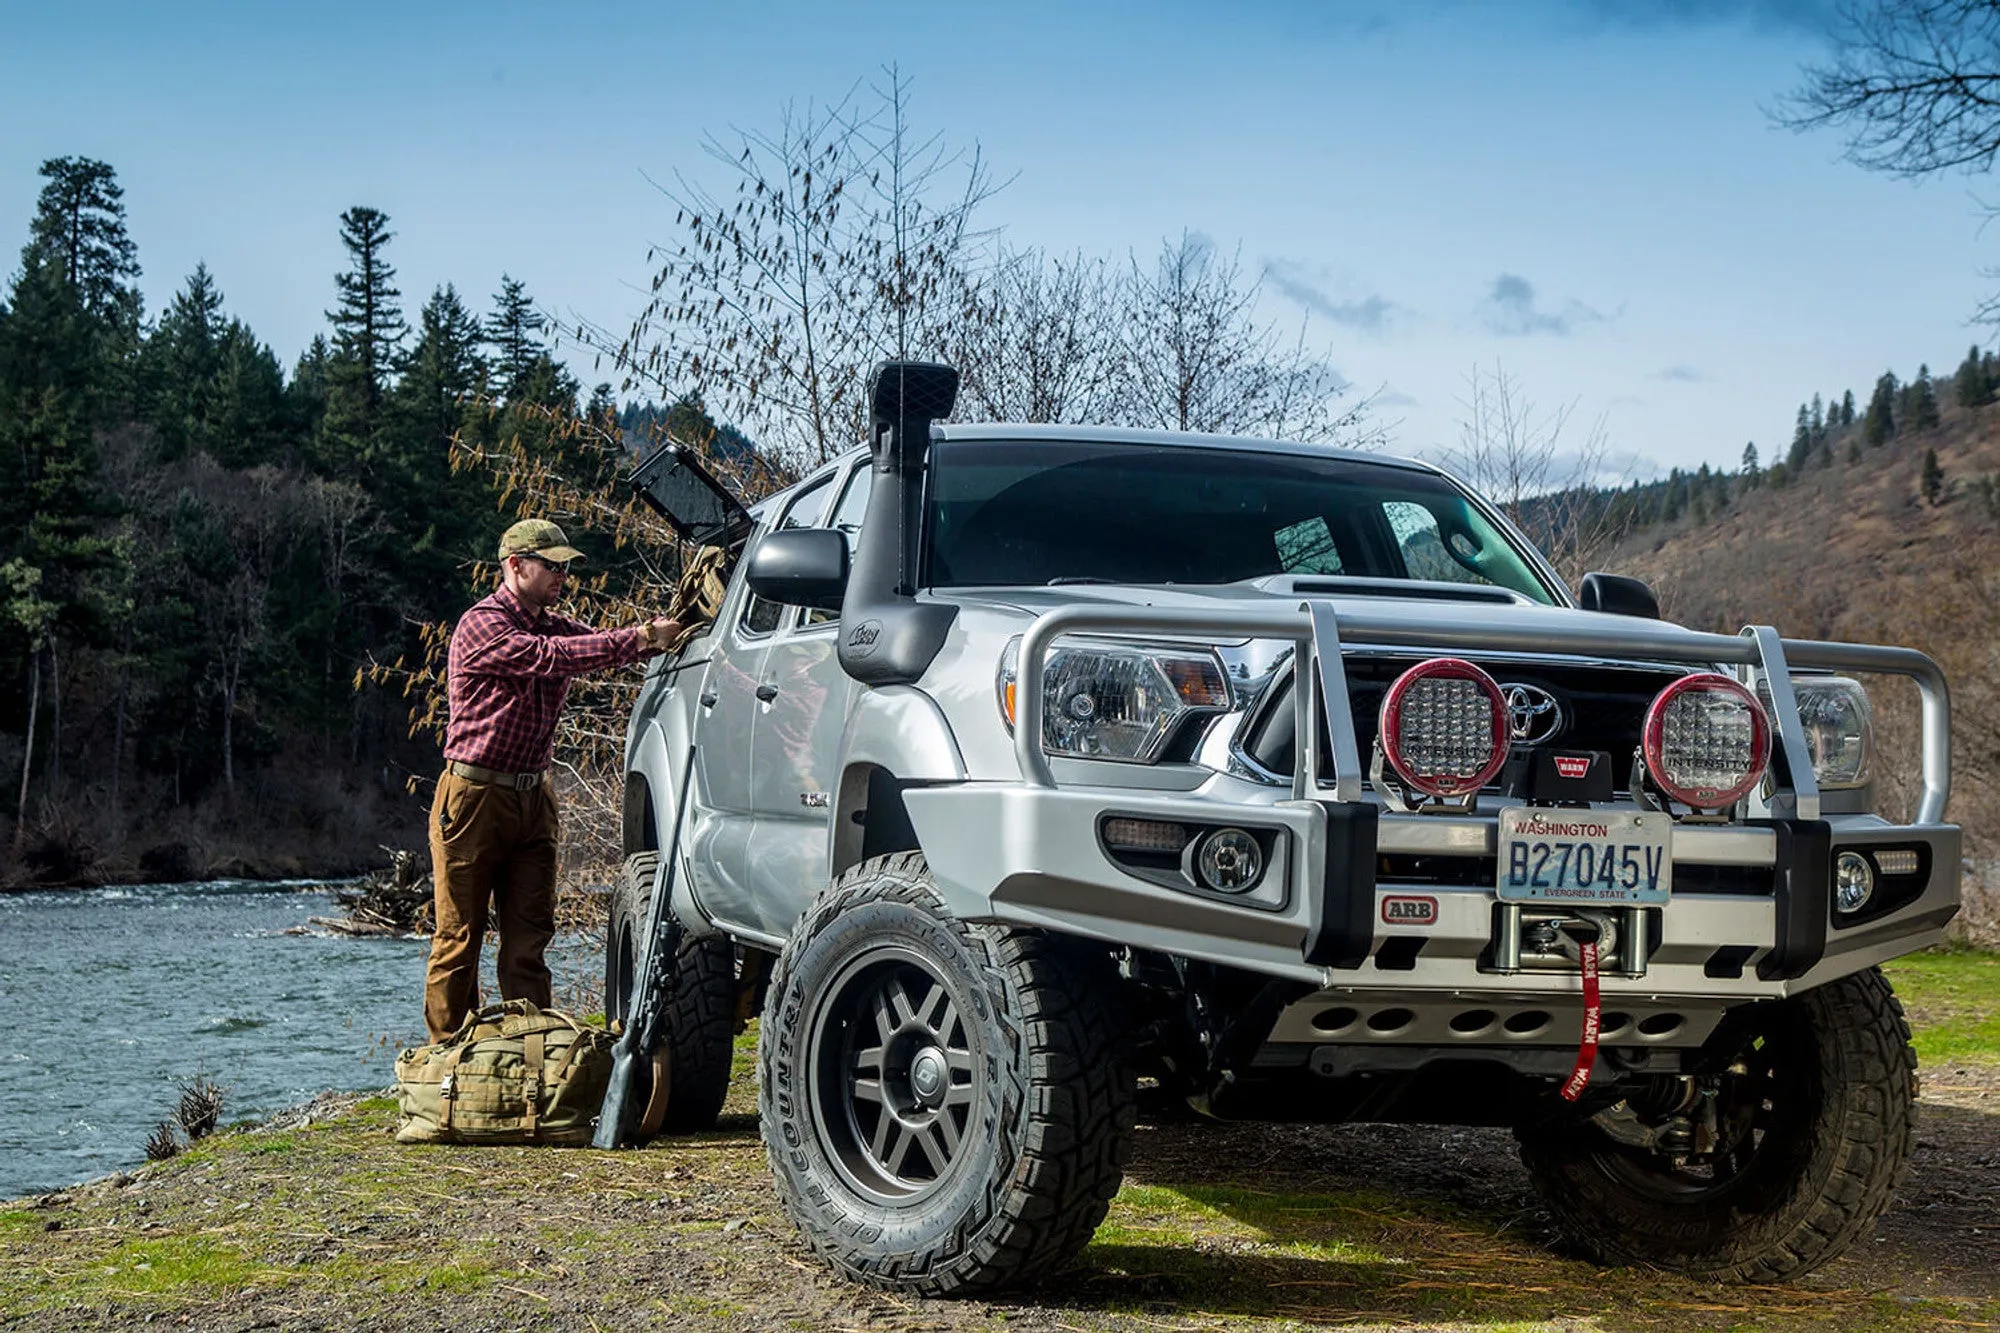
x,y
512,1073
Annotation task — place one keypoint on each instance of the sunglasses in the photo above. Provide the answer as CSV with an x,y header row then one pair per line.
x,y
558,566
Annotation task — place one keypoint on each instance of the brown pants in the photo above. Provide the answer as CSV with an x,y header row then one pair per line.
x,y
489,843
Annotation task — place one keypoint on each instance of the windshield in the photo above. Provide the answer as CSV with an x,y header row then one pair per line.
x,y
1013,512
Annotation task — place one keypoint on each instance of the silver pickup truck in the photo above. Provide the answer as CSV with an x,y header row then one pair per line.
x,y
1031,775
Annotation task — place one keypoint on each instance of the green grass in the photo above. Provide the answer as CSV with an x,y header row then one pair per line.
x,y
1953,1000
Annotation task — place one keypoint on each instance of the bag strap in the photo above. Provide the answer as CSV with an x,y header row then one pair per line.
x,y
448,1088
531,1080
577,1042
562,1017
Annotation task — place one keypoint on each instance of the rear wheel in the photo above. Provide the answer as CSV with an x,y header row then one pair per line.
x,y
1760,1170
947,1108
700,1013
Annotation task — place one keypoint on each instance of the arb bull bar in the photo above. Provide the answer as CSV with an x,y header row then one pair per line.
x,y
1783,829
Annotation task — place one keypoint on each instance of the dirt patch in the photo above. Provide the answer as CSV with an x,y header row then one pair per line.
x,y
319,1221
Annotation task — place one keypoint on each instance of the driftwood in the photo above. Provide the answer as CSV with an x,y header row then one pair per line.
x,y
392,902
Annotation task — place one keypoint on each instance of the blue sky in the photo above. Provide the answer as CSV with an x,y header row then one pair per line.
x,y
1588,192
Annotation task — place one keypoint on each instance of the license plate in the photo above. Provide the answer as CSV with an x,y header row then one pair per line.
x,y
1585,856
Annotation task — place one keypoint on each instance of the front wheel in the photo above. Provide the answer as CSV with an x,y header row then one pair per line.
x,y
947,1108
1761,1169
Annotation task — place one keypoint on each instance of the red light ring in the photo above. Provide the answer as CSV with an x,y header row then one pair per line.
x,y
1653,741
1389,722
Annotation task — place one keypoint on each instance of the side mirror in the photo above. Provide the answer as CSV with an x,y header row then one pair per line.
x,y
800,567
1614,594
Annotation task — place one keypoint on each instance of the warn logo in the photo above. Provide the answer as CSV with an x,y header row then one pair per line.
x,y
1409,909
1572,766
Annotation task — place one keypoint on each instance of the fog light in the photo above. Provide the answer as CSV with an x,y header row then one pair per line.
x,y
1144,835
1853,881
1230,861
1897,861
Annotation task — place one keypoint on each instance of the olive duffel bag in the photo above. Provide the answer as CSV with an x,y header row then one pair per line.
x,y
512,1073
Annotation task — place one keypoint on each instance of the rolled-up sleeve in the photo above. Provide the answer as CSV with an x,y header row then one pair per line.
x,y
496,646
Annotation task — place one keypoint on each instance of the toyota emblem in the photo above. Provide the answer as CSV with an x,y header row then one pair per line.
x,y
1533,715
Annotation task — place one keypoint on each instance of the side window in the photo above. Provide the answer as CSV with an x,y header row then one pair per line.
x,y
759,616
846,518
1425,553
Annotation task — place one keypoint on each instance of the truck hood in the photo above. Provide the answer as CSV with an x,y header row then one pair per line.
x,y
1402,611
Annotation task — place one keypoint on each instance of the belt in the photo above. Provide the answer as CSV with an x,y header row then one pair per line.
x,y
494,778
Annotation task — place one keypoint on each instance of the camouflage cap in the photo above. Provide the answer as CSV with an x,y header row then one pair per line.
x,y
538,536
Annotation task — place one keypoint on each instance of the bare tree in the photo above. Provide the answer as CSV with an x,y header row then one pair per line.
x,y
1517,454
1198,358
1037,339
1915,87
838,245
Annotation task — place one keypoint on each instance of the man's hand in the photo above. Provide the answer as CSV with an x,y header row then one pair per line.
x,y
660,632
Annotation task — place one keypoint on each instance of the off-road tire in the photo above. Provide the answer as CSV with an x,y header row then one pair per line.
x,y
1025,1017
701,1012
1836,1153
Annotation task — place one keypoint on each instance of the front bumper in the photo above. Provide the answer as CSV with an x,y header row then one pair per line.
x,y
1032,855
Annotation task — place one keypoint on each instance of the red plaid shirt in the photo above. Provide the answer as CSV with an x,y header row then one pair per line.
x,y
508,674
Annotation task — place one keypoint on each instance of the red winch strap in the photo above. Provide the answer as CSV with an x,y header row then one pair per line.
x,y
1586,1054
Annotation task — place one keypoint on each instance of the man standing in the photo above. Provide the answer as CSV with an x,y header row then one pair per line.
x,y
494,825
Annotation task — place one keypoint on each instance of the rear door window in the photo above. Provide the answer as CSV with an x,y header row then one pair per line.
x,y
759,616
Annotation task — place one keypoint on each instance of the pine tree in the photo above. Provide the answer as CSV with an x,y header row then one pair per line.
x,y
511,331
449,516
368,330
1970,386
1752,475
79,227
1932,479
1880,423
1847,408
445,370
181,364
1818,420
1802,441
1923,413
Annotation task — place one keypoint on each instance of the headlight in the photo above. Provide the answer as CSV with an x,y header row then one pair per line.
x,y
1103,700
1838,722
1835,714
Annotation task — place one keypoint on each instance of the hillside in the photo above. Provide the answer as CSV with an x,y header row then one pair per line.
x,y
1851,549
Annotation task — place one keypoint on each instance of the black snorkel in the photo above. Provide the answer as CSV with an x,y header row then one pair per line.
x,y
887,637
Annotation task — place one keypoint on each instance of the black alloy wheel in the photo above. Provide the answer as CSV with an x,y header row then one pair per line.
x,y
897,1082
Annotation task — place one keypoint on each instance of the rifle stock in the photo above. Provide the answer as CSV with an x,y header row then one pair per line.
x,y
651,988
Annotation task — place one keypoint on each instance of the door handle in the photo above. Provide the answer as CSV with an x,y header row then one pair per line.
x,y
767,692
709,699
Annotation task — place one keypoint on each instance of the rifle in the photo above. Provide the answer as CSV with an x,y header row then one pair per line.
x,y
652,991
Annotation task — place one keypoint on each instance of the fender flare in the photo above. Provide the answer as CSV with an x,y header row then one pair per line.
x,y
896,735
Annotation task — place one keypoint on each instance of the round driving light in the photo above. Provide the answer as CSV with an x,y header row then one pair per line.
x,y
1706,741
1853,881
1230,861
1443,727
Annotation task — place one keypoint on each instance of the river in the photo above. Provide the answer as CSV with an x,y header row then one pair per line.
x,y
109,997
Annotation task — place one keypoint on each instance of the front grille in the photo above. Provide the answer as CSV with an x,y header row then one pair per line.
x,y
1604,707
